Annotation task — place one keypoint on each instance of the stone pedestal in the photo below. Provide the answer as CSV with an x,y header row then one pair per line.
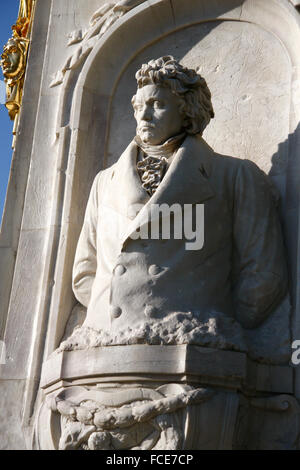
x,y
158,397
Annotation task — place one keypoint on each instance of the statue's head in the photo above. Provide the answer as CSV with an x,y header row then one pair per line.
x,y
12,58
170,99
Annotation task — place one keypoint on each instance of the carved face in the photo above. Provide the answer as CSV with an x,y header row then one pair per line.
x,y
157,113
11,62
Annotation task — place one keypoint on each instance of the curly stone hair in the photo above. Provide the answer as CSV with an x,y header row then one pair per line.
x,y
187,84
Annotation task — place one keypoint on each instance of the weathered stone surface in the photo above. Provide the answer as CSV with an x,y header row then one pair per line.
x,y
248,52
11,434
211,365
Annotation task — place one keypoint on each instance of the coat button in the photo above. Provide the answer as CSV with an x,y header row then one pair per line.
x,y
119,270
154,270
150,311
116,312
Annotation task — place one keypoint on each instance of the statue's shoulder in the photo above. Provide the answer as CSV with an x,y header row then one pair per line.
x,y
218,163
235,165
245,176
101,178
104,177
239,173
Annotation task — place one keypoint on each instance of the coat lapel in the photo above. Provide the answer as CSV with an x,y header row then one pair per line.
x,y
186,181
125,191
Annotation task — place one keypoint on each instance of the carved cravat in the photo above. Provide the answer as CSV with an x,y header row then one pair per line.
x,y
154,161
151,171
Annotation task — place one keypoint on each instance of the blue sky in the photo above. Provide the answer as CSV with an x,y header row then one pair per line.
x,y
9,14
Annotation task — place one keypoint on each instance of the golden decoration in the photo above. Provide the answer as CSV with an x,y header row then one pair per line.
x,y
14,56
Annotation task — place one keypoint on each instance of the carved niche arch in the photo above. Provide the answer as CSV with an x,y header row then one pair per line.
x,y
85,112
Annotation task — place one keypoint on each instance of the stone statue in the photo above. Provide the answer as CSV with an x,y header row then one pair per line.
x,y
141,287
144,281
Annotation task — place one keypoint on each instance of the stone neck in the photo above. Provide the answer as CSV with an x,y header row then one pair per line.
x,y
165,150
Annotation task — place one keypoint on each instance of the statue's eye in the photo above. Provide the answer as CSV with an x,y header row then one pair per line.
x,y
138,107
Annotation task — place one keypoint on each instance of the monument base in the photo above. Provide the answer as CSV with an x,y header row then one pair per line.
x,y
142,397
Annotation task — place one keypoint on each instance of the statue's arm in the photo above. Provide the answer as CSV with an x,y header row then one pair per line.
x,y
259,265
85,263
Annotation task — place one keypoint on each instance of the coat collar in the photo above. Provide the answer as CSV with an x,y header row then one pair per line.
x,y
124,188
186,182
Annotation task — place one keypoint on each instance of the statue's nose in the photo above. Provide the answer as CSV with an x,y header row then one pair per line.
x,y
146,114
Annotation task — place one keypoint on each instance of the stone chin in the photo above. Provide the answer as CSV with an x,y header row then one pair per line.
x,y
148,136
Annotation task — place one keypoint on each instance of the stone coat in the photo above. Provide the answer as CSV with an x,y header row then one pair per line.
x,y
240,271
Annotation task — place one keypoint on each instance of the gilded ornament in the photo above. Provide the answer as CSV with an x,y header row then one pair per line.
x,y
14,56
